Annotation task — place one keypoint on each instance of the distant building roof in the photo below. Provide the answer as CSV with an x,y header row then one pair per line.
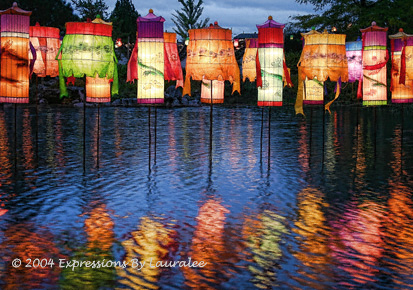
x,y
246,35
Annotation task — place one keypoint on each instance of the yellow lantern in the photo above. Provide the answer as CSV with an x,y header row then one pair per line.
x,y
249,66
14,58
375,57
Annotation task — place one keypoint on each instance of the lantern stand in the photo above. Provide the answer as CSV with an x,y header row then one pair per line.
x,y
269,139
401,140
262,132
375,133
357,144
37,121
311,133
15,138
98,139
210,127
156,118
84,135
324,129
149,138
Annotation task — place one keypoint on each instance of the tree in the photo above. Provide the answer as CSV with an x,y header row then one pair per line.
x,y
348,16
90,8
188,17
54,13
124,18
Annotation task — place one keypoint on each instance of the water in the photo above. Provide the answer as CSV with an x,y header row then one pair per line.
x,y
277,212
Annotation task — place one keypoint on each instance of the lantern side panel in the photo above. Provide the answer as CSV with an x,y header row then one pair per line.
x,y
151,71
313,92
271,63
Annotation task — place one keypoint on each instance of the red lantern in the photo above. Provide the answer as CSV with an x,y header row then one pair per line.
x,y
14,59
173,68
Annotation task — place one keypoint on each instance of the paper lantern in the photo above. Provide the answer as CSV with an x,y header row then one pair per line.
x,y
150,59
375,57
313,92
14,58
217,94
172,68
249,69
210,56
402,67
46,42
271,64
323,57
354,60
88,49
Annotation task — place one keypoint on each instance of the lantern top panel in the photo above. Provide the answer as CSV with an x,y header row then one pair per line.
x,y
43,31
151,18
89,28
325,38
400,34
169,37
312,31
270,23
210,33
99,20
15,10
354,45
252,42
373,27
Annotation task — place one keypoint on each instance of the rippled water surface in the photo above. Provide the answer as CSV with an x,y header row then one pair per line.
x,y
285,203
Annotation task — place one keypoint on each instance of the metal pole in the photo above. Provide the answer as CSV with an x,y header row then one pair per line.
x,y
269,140
262,132
401,141
37,124
84,135
98,139
15,138
150,137
375,133
156,117
311,134
210,127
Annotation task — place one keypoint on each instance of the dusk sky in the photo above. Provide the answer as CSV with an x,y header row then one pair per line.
x,y
239,15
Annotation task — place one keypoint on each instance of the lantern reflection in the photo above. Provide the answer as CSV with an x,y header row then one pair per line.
x,y
375,57
210,57
19,241
14,57
263,236
208,245
402,67
46,42
149,244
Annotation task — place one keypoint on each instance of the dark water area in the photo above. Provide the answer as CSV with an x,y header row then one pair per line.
x,y
285,203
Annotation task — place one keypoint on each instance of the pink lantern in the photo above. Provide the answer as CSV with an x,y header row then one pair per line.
x,y
375,57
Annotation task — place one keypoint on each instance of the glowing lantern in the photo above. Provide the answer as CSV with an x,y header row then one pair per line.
x,y
249,69
271,63
88,49
313,92
375,57
14,59
173,68
217,93
402,67
210,56
354,60
46,41
323,57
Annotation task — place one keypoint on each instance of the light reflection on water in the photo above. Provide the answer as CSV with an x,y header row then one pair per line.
x,y
325,204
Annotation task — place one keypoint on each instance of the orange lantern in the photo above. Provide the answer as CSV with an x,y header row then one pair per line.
x,y
46,41
14,59
173,68
271,63
375,57
88,49
323,57
210,56
402,67
249,69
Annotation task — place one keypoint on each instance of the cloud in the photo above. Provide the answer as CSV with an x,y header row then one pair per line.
x,y
239,15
